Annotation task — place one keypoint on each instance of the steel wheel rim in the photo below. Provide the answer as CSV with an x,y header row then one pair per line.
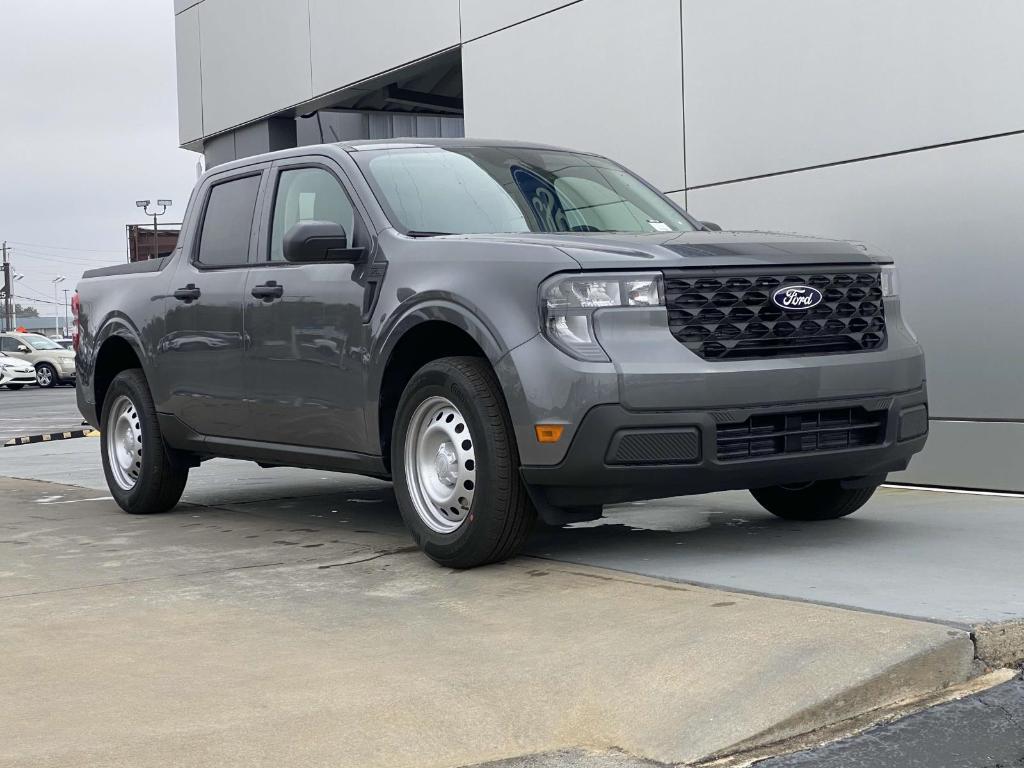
x,y
440,465
123,437
44,376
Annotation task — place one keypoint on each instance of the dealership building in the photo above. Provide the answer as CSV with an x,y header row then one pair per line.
x,y
895,122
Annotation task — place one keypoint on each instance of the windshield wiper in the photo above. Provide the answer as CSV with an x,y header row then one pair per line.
x,y
424,233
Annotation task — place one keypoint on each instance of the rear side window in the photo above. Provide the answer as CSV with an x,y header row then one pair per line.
x,y
228,223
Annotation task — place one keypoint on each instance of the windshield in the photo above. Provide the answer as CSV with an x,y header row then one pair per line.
x,y
41,342
498,189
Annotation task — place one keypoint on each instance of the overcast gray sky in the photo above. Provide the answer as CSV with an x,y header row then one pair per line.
x,y
88,125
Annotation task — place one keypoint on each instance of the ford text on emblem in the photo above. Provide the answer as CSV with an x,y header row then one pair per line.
x,y
797,297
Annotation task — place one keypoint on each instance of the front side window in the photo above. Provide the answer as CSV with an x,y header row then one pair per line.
x,y
308,194
228,223
500,189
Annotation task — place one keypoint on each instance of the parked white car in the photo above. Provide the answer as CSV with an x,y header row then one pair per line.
x,y
15,373
53,364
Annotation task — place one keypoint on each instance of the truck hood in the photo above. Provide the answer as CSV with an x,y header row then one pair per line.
x,y
601,250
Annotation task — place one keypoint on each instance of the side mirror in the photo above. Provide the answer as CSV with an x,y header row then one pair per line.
x,y
318,241
711,226
23,348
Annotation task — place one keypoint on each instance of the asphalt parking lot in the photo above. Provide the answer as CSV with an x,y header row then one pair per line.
x,y
280,616
33,410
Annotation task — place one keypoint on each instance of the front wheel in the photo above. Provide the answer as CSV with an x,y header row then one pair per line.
x,y
821,500
46,375
142,472
456,465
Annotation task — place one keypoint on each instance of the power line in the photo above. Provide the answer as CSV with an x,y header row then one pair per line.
x,y
63,247
65,258
38,301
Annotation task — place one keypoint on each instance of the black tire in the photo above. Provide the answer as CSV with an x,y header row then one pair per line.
x,y
501,515
46,372
162,477
15,387
822,500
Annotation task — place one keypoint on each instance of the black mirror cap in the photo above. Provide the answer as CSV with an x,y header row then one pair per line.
x,y
311,241
710,225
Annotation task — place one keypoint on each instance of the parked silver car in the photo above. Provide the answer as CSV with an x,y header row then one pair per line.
x,y
52,363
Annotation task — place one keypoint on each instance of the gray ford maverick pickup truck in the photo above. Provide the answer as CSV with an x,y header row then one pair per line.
x,y
506,331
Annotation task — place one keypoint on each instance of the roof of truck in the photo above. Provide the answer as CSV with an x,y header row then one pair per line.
x,y
358,145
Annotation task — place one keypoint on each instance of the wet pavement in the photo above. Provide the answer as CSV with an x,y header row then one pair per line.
x,y
951,558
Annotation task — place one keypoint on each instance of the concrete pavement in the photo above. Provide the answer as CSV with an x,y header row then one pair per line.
x,y
950,558
278,615
303,630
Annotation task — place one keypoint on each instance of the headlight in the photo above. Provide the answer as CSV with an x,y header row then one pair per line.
x,y
568,303
890,280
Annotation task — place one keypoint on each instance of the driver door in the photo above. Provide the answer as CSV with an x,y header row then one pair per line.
x,y
305,336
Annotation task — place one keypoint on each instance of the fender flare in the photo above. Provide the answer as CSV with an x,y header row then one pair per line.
x,y
121,327
436,309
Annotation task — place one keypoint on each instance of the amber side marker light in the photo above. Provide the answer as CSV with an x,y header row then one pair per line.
x,y
549,433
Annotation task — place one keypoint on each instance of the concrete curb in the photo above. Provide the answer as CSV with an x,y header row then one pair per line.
x,y
1000,644
50,436
929,671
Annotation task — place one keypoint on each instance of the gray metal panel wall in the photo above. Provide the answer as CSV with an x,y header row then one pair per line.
x,y
772,86
255,60
190,76
600,75
352,41
821,82
240,61
342,125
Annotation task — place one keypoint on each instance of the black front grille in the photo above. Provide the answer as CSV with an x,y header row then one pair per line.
x,y
729,315
773,434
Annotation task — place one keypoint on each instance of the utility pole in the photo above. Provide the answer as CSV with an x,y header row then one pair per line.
x,y
8,291
56,317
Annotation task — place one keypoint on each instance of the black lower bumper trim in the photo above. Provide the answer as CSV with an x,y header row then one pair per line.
x,y
586,477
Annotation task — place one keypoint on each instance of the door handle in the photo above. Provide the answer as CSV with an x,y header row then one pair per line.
x,y
268,291
188,294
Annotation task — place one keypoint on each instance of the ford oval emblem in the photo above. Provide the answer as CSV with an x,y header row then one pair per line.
x,y
797,297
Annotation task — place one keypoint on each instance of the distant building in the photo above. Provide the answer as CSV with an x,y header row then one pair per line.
x,y
45,325
140,240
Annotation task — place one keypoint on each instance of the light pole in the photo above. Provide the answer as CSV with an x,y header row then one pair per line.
x,y
66,291
56,317
15,277
164,205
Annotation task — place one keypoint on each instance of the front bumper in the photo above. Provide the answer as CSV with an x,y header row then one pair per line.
x,y
18,377
598,470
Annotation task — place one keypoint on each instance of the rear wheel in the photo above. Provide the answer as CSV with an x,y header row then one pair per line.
x,y
46,375
143,474
821,500
456,465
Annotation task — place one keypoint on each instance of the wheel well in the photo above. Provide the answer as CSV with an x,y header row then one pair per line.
x,y
115,355
420,345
